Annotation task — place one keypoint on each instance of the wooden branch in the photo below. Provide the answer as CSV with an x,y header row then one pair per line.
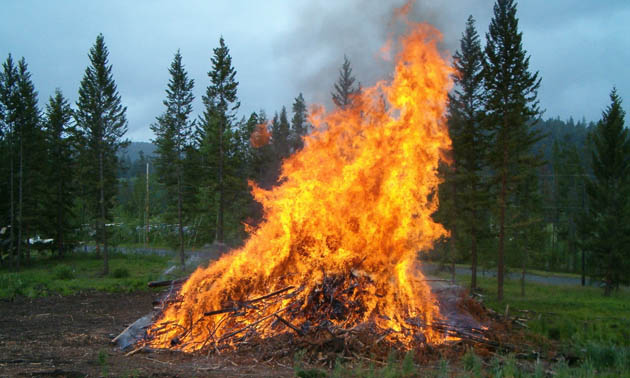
x,y
251,325
167,282
247,303
270,295
286,323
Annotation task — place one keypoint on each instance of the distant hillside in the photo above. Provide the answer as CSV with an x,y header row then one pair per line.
x,y
134,149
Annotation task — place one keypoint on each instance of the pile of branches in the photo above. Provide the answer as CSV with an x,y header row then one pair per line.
x,y
325,322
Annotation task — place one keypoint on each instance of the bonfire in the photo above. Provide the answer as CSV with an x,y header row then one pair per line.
x,y
337,251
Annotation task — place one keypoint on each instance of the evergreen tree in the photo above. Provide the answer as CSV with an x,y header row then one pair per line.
x,y
9,99
608,233
511,107
470,143
263,163
299,126
101,120
60,135
280,136
173,135
29,140
216,135
344,90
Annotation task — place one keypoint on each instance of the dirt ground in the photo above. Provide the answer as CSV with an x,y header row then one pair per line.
x,y
70,337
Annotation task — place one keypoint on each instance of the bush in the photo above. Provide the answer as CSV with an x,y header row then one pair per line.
x,y
120,273
63,272
472,363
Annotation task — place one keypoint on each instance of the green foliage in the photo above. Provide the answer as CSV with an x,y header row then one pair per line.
x,y
606,226
443,369
280,136
60,172
103,358
299,126
63,272
173,138
408,367
472,363
511,106
102,123
344,90
310,373
219,143
301,371
120,272
80,272
572,315
463,195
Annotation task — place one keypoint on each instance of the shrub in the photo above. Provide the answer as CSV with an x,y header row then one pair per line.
x,y
63,272
472,363
120,273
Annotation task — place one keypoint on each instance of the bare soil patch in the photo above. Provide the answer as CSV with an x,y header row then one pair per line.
x,y
70,337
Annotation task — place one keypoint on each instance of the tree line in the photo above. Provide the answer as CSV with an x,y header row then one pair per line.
x,y
516,194
519,192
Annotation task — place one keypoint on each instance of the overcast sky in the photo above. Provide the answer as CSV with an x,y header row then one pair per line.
x,y
281,48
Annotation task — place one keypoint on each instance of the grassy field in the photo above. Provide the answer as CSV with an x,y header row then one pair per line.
x,y
578,321
81,272
568,314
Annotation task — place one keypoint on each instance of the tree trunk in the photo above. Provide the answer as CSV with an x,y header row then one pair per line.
x,y
473,265
220,215
20,203
454,233
583,268
28,246
523,273
502,205
583,254
182,259
59,218
146,210
101,180
12,209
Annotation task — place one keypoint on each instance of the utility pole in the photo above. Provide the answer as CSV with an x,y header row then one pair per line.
x,y
146,211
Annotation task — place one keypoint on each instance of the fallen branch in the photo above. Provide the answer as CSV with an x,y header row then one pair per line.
x,y
251,325
167,282
240,305
286,323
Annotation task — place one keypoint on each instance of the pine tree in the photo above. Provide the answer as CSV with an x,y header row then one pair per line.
x,y
9,100
101,120
344,90
173,135
61,141
280,135
607,237
299,126
30,154
511,107
470,142
216,135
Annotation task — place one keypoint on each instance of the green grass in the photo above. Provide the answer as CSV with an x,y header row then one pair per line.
x,y
81,272
577,321
542,273
568,314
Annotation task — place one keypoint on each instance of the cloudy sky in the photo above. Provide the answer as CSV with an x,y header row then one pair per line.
x,y
281,48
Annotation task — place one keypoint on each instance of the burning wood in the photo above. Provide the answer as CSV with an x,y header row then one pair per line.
x,y
336,254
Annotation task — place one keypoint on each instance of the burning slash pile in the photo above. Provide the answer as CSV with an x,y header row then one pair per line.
x,y
333,266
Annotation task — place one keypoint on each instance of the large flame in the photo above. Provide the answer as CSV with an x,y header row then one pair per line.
x,y
358,197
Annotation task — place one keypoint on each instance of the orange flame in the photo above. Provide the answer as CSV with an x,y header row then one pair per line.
x,y
260,136
358,197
